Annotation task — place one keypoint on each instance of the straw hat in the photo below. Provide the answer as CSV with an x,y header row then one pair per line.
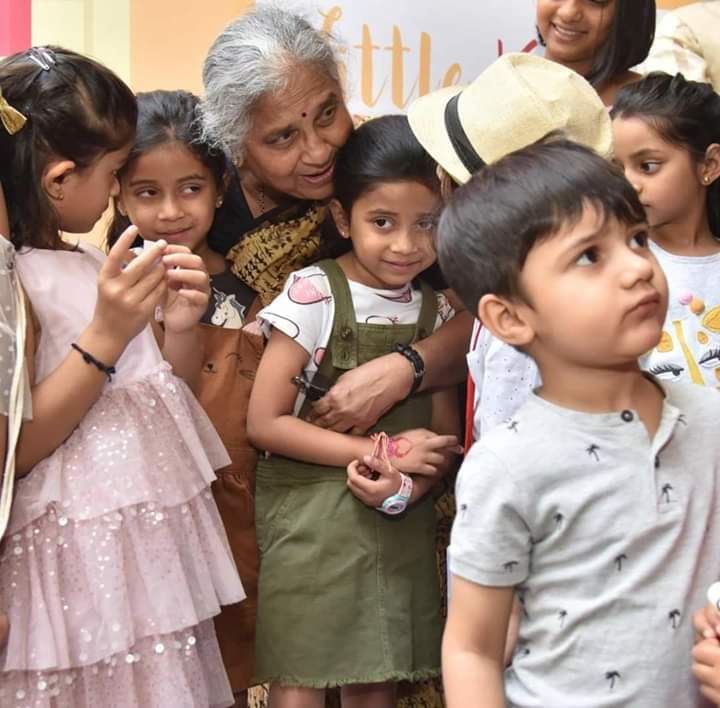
x,y
517,100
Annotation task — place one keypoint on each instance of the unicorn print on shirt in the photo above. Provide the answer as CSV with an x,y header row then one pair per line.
x,y
228,313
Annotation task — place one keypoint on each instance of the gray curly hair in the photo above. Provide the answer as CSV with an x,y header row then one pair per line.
x,y
254,56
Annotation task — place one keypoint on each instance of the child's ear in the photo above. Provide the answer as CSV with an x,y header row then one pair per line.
x,y
506,319
341,218
120,205
710,166
222,189
447,184
55,176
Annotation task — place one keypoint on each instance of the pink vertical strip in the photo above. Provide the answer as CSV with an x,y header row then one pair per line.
x,y
15,26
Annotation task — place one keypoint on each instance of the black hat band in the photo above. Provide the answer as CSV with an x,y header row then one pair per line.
x,y
459,139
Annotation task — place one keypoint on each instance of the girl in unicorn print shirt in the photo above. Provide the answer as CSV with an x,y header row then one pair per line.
x,y
170,188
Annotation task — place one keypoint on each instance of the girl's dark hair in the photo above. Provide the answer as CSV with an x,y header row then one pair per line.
x,y
684,113
381,150
629,41
77,110
168,117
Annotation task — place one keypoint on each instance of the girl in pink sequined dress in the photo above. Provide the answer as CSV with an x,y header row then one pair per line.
x,y
115,560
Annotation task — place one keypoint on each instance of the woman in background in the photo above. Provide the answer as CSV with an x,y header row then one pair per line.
x,y
599,39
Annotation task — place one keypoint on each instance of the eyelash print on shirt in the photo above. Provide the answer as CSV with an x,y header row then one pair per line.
x,y
662,369
710,358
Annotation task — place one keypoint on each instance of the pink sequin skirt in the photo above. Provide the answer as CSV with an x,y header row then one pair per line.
x,y
116,560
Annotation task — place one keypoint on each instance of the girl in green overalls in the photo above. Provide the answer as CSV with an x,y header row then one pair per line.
x,y
348,591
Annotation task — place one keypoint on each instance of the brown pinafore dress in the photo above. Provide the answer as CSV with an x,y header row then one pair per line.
x,y
230,360
347,594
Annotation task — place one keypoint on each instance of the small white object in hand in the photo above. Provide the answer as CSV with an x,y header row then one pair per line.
x,y
713,595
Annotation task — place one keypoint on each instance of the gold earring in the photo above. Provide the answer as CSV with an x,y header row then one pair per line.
x,y
706,179
218,202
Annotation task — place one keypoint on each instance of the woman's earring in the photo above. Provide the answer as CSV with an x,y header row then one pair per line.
x,y
218,202
706,179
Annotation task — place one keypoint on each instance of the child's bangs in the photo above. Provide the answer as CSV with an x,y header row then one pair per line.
x,y
609,207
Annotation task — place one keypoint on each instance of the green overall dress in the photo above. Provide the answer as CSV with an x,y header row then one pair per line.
x,y
347,594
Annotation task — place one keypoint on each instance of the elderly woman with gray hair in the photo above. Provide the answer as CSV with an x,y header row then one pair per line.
x,y
274,103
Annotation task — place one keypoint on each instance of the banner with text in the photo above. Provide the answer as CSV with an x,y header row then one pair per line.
x,y
393,52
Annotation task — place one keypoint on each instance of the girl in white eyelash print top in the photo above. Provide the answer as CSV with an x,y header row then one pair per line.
x,y
115,559
667,139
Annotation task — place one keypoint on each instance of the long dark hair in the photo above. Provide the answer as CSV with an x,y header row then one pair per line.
x,y
629,41
77,109
168,117
684,113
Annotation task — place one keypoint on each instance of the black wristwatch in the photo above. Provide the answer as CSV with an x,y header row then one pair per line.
x,y
413,356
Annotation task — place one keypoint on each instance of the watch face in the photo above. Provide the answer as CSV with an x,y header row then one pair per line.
x,y
394,505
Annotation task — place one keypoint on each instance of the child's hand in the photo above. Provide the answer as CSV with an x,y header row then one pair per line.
x,y
706,668
128,289
188,289
707,623
372,492
422,452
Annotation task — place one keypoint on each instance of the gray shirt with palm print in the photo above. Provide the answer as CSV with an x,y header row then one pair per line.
x,y
609,539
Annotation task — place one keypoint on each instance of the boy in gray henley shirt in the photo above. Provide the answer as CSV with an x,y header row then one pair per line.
x,y
596,503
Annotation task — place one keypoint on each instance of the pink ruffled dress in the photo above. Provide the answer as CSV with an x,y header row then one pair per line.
x,y
115,560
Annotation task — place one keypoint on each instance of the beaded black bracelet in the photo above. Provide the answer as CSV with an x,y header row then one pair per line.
x,y
413,356
90,359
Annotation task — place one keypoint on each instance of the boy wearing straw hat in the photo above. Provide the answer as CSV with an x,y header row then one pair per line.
x,y
596,503
517,100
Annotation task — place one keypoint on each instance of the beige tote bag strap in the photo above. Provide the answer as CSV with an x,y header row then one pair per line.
x,y
15,412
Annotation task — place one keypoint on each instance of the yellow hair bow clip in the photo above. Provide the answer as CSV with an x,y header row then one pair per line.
x,y
11,118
